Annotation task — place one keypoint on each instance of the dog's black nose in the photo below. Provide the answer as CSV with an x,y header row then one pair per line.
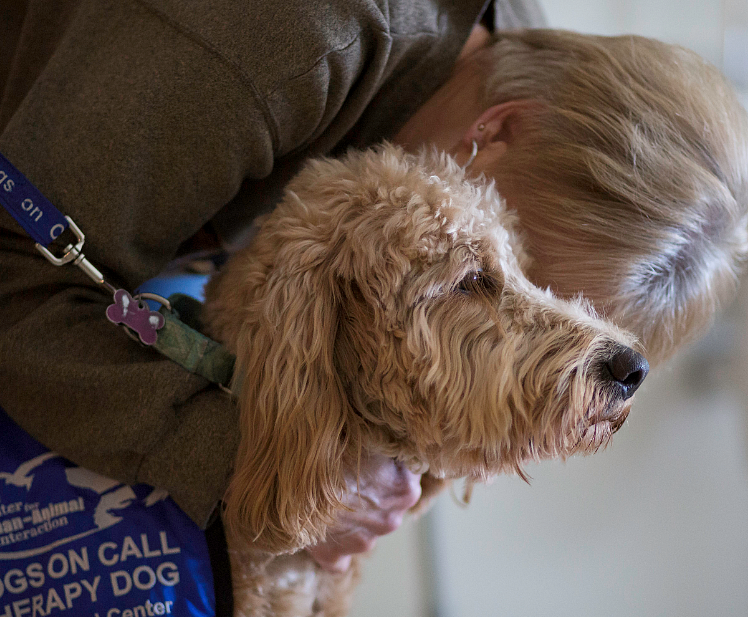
x,y
627,369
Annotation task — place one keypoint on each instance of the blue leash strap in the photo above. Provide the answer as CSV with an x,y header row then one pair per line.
x,y
33,211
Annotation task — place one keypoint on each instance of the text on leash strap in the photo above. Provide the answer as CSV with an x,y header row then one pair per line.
x,y
33,211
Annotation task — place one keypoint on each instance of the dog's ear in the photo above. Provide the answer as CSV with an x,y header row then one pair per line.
x,y
276,307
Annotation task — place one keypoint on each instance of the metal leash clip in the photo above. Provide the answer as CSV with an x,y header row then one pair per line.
x,y
73,254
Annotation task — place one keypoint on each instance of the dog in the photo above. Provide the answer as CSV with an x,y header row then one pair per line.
x,y
382,307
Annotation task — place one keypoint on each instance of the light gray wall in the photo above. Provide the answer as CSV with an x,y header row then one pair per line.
x,y
655,526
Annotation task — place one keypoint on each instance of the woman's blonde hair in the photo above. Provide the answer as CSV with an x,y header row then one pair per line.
x,y
630,176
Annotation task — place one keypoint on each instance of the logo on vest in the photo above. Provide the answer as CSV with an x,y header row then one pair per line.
x,y
73,542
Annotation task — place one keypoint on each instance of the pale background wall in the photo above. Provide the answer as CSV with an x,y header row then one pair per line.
x,y
656,525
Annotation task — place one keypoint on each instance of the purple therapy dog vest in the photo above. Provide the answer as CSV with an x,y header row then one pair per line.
x,y
74,543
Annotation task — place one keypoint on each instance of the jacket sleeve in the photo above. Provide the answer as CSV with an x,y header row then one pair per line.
x,y
140,132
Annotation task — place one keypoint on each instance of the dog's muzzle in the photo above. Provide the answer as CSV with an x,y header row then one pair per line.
x,y
625,370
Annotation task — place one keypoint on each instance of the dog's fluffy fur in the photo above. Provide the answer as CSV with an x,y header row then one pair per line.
x,y
383,306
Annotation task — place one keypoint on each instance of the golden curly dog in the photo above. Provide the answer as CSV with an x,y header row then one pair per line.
x,y
382,307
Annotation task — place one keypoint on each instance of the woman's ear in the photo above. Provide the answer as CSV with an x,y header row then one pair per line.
x,y
288,477
498,127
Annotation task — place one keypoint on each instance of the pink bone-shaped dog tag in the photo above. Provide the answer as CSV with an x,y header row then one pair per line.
x,y
142,320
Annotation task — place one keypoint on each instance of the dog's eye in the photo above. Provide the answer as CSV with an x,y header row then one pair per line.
x,y
475,281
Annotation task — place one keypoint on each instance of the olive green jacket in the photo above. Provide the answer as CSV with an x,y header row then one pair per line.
x,y
144,119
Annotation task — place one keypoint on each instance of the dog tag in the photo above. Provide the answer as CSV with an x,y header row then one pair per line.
x,y
137,316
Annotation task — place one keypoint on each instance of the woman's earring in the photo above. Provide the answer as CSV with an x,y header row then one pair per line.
x,y
472,155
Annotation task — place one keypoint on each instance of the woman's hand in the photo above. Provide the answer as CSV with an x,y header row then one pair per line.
x,y
385,490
